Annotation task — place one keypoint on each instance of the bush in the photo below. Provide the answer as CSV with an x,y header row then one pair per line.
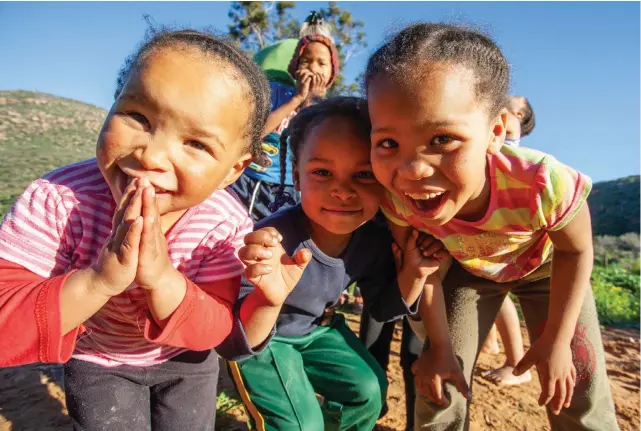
x,y
616,292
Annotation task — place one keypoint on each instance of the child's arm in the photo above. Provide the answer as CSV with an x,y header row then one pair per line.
x,y
303,82
274,274
570,278
438,364
30,318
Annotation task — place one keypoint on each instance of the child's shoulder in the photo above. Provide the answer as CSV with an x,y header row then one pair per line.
x,y
223,207
72,180
523,165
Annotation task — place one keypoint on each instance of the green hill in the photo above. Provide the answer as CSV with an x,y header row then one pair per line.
x,y
40,132
614,206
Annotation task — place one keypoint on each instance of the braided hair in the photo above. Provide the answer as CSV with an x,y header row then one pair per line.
x,y
404,57
255,81
294,137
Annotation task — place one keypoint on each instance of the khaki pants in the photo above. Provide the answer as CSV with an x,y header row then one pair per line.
x,y
472,306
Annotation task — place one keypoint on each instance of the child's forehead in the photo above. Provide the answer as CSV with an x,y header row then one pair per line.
x,y
316,49
192,92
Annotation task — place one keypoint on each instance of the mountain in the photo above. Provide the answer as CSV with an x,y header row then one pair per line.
x,y
40,132
614,206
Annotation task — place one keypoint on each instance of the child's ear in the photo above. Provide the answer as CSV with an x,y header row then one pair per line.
x,y
296,176
236,170
498,128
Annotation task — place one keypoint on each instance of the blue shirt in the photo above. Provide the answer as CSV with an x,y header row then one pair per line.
x,y
267,167
367,260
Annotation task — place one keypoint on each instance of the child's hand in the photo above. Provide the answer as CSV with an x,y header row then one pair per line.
x,y
557,373
153,259
303,83
116,267
422,255
318,87
433,368
269,268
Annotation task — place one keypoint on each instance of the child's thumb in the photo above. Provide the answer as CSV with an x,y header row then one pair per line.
x,y
411,240
302,258
524,364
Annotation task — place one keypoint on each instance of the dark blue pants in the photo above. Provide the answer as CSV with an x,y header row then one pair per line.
x,y
179,394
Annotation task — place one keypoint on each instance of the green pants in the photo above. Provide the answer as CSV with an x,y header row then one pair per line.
x,y
279,386
472,306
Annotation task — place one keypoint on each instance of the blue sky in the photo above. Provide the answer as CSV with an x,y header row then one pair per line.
x,y
578,63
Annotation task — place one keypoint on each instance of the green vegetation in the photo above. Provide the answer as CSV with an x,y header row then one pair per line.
x,y
40,132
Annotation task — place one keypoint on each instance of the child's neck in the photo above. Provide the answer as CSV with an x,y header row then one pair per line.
x,y
476,208
332,244
167,221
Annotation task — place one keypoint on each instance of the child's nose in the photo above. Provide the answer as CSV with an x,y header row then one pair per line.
x,y
154,157
343,191
416,169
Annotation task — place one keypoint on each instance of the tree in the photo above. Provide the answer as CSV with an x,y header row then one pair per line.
x,y
258,24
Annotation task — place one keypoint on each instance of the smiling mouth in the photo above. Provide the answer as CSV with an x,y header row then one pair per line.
x,y
340,211
426,203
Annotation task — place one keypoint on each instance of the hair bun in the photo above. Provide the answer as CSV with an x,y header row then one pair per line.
x,y
315,24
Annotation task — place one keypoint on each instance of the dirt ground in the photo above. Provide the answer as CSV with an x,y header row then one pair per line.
x,y
31,397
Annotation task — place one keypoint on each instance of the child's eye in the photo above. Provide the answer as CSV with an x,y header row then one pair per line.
x,y
388,144
139,118
441,140
197,145
321,172
365,175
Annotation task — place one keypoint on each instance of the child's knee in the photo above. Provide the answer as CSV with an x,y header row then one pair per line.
x,y
372,389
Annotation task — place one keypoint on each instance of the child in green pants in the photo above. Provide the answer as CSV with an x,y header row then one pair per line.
x,y
307,356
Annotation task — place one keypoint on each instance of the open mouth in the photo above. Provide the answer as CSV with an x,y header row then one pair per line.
x,y
426,204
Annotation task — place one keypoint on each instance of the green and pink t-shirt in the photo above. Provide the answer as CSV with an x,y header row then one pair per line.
x,y
531,193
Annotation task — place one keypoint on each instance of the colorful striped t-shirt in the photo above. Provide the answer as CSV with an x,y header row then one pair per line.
x,y
61,222
531,193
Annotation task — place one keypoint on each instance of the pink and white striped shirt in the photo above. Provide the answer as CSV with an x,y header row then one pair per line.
x,y
61,222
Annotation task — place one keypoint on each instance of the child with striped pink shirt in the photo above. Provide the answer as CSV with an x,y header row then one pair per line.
x,y
513,219
126,266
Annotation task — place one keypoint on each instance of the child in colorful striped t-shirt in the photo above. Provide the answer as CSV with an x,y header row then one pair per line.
x,y
129,263
513,219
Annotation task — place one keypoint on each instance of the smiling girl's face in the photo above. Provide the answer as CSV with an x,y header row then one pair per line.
x,y
181,122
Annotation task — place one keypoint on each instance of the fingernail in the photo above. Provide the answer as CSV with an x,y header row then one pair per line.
x,y
144,181
267,254
268,268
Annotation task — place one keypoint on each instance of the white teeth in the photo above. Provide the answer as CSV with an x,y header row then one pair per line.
x,y
424,196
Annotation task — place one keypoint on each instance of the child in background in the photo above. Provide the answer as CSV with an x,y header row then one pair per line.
x,y
308,356
315,67
128,263
520,120
514,220
520,116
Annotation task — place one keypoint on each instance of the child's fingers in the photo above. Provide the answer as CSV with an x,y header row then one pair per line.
x,y
128,253
411,241
255,271
547,388
524,364
267,236
302,258
123,204
461,385
148,240
556,403
432,248
569,391
437,388
254,253
133,210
